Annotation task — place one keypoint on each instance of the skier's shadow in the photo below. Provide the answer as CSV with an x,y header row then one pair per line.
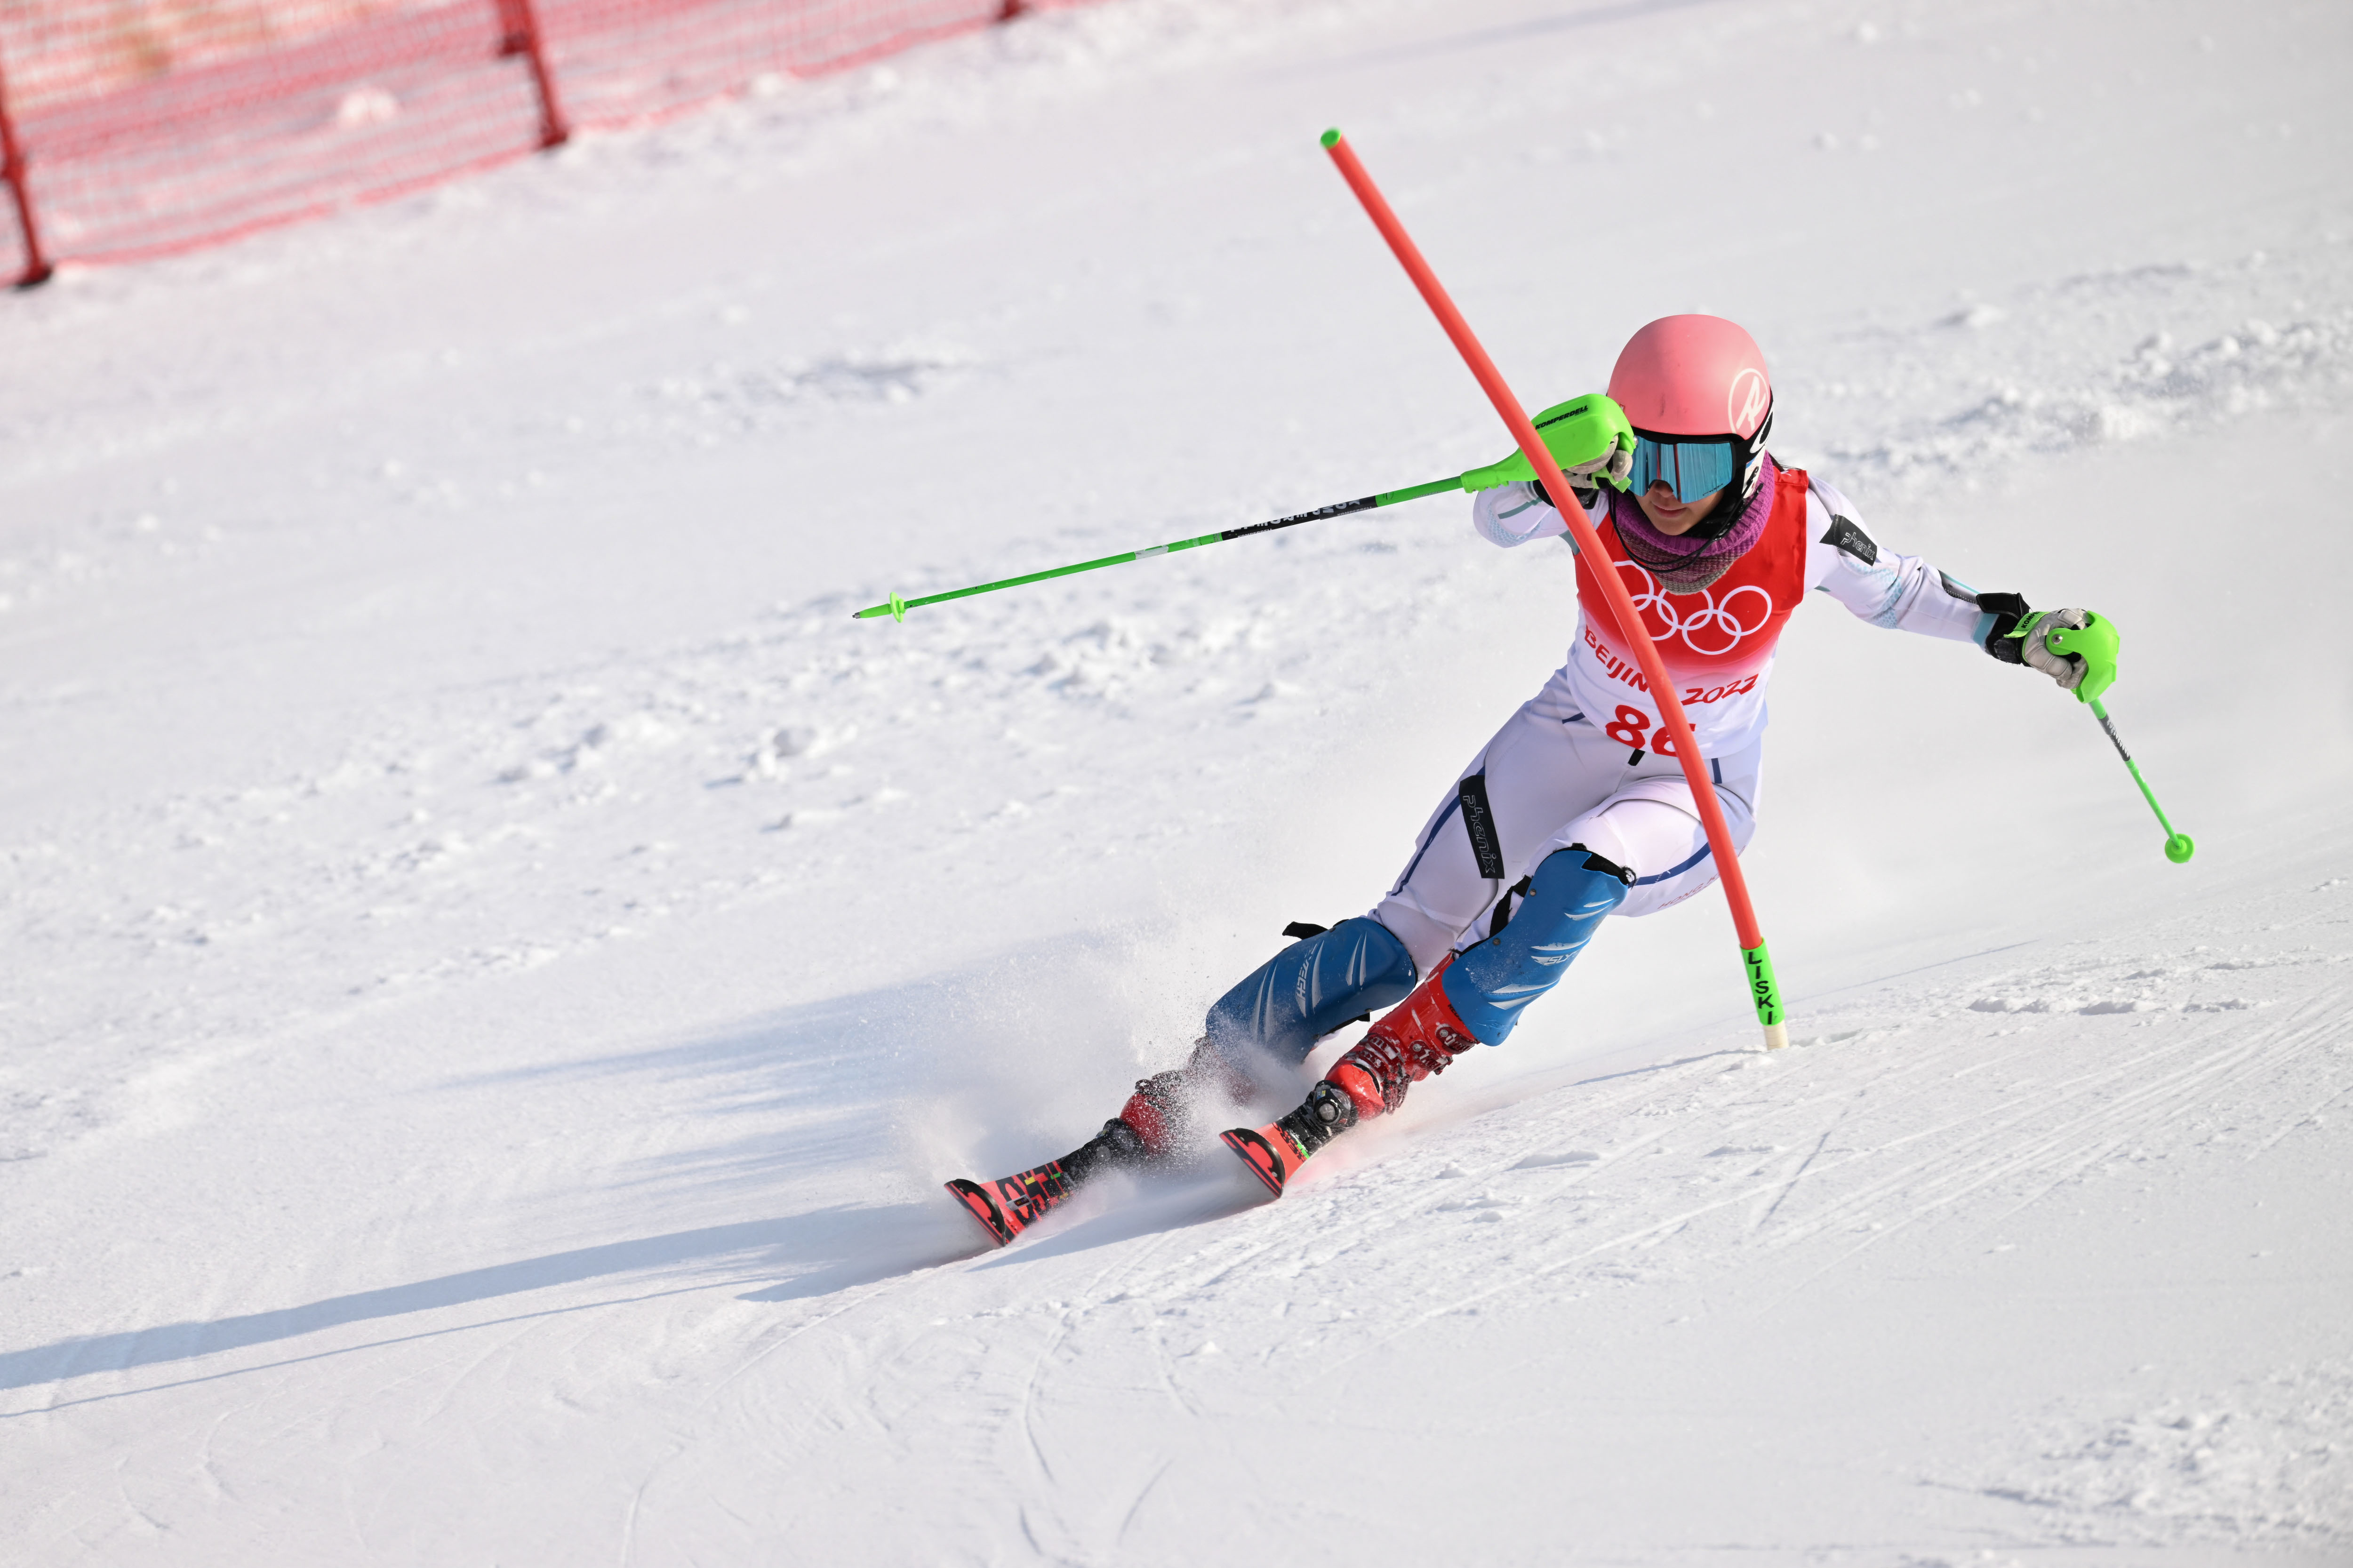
x,y
778,1100
849,1245
889,1243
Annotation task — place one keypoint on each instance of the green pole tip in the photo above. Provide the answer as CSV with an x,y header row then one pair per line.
x,y
2179,848
1332,137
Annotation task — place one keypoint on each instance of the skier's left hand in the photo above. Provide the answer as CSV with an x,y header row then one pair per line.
x,y
2074,648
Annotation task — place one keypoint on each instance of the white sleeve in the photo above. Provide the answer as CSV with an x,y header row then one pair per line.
x,y
1900,592
1515,513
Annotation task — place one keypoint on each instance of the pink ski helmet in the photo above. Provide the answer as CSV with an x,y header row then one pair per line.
x,y
1697,394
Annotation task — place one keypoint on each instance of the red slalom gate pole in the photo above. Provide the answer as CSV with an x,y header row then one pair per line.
x,y
12,170
1764,989
520,23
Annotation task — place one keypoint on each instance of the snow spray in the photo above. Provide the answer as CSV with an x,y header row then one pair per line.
x,y
1764,989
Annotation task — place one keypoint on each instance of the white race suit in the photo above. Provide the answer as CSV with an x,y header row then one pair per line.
x,y
1579,763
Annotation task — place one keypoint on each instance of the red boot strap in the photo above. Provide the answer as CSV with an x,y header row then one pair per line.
x,y
1383,1065
1425,1026
1416,1038
1447,1029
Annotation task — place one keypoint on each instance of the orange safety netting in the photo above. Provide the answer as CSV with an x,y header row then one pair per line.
x,y
144,127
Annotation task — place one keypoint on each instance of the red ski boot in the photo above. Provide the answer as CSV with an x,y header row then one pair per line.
x,y
1166,1109
1155,1129
1413,1041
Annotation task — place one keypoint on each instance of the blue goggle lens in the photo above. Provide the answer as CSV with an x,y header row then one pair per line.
x,y
1691,468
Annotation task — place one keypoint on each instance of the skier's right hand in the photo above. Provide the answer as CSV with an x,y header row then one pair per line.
x,y
1588,436
2073,647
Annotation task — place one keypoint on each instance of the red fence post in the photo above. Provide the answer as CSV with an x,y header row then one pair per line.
x,y
519,35
12,167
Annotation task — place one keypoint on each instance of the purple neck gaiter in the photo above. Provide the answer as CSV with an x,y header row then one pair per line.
x,y
1686,565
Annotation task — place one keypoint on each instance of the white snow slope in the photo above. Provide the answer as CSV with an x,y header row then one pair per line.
x,y
499,963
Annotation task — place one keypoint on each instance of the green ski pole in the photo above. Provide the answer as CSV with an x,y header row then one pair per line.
x,y
2094,644
2178,847
897,607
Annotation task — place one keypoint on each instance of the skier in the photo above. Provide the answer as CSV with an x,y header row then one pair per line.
x,y
1577,809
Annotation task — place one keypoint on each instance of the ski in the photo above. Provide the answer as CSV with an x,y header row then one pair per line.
x,y
1010,1204
1271,1152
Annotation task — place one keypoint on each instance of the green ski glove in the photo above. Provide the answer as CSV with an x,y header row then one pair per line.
x,y
2074,648
1589,438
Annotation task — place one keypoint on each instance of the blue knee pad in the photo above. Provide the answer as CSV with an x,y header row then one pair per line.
x,y
1310,989
1565,901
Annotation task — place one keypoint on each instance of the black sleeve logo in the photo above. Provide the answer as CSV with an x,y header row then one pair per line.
x,y
1849,537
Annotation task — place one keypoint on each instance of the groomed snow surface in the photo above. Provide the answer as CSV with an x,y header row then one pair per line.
x,y
499,962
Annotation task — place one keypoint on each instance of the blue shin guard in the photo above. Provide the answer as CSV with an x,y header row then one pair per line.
x,y
1567,900
1310,989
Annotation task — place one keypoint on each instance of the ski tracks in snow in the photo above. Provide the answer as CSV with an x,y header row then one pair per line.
x,y
1652,1187
1715,1182
2043,1113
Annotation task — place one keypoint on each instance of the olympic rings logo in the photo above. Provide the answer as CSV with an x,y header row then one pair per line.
x,y
1709,629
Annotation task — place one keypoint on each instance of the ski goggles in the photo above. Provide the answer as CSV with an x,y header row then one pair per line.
x,y
1691,468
